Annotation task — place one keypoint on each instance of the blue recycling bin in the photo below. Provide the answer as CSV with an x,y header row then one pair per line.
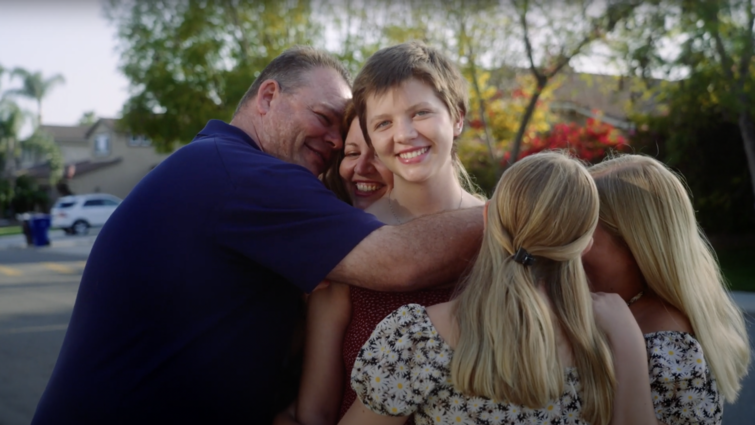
x,y
40,224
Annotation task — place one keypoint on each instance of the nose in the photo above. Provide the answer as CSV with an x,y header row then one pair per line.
x,y
334,139
365,165
405,131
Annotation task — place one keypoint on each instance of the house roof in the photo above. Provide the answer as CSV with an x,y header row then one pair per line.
x,y
593,94
65,133
110,122
77,133
72,170
612,95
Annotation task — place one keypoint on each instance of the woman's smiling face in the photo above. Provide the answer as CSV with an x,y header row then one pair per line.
x,y
412,130
365,177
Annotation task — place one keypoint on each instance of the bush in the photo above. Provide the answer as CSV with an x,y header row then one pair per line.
x,y
708,151
28,196
591,142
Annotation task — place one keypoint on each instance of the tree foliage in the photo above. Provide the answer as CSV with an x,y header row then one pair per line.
x,y
36,87
191,61
504,108
553,36
12,146
590,142
708,46
696,140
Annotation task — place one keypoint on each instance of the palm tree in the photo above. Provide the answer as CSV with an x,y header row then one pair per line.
x,y
11,120
35,87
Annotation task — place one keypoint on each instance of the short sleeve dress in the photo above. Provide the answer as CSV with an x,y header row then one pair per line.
x,y
404,369
681,384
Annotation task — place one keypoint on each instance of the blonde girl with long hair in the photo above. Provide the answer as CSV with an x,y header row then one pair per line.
x,y
650,251
519,344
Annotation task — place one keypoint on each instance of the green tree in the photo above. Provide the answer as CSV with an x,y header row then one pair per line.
x,y
553,36
714,60
88,118
36,87
12,119
191,61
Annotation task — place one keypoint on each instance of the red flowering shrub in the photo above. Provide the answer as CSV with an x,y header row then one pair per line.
x,y
590,142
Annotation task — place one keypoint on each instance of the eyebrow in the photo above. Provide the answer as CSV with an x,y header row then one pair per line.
x,y
414,107
330,108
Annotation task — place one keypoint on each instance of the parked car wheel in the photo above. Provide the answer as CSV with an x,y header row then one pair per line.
x,y
80,227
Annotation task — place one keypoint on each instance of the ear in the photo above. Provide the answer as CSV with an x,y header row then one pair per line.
x,y
268,92
459,126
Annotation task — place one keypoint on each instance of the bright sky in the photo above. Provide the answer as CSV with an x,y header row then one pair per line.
x,y
68,37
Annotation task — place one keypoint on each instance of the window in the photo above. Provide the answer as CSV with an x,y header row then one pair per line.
x,y
67,204
136,140
102,145
109,203
94,203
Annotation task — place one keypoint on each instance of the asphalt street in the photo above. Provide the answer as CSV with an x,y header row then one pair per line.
x,y
37,292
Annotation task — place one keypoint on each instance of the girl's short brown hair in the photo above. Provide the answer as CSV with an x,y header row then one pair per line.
x,y
392,66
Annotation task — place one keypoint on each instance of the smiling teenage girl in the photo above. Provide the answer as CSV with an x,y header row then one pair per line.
x,y
411,102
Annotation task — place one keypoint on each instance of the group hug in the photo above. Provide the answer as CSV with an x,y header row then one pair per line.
x,y
576,294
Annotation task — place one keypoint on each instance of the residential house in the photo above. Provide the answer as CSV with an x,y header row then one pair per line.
x,y
99,158
579,96
609,98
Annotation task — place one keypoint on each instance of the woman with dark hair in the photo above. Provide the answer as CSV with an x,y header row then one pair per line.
x,y
357,176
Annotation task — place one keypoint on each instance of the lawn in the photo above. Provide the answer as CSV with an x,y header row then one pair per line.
x,y
738,266
10,230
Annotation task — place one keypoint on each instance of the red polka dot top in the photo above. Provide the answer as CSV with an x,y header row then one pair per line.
x,y
368,308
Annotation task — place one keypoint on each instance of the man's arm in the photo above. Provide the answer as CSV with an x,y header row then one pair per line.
x,y
424,252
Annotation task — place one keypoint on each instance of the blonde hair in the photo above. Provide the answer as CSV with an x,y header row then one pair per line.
x,y
547,204
647,206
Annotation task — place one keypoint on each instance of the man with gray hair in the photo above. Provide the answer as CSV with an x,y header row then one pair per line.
x,y
189,298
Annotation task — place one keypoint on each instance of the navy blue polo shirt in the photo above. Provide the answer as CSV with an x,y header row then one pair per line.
x,y
190,294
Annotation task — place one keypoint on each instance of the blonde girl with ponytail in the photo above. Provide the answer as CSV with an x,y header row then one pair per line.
x,y
519,344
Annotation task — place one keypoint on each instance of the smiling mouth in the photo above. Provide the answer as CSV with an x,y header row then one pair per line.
x,y
414,154
368,187
324,158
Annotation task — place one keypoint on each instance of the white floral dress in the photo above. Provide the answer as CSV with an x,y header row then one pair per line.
x,y
403,369
681,384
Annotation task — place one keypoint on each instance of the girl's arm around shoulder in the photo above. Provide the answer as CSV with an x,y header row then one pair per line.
x,y
328,315
633,404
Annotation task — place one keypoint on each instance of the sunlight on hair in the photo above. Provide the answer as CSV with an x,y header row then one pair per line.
x,y
647,206
547,204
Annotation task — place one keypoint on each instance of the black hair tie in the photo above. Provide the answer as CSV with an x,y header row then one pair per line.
x,y
523,257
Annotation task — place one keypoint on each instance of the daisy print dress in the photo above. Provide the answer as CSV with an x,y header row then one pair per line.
x,y
681,384
404,369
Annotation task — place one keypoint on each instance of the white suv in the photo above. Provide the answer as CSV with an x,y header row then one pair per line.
x,y
76,214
